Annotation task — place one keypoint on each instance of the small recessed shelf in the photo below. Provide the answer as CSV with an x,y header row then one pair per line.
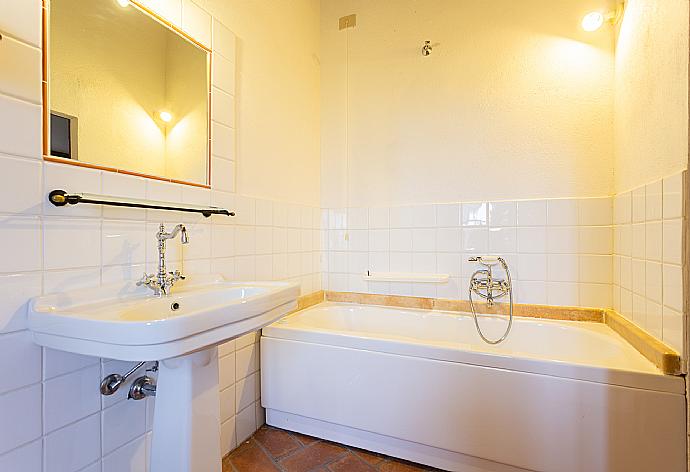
x,y
405,277
62,198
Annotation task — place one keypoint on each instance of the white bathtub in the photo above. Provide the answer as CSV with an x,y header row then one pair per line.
x,y
557,396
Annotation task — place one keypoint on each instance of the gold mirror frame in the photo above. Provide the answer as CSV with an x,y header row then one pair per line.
x,y
46,100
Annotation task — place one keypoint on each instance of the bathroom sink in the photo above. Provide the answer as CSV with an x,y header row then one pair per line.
x,y
182,332
131,324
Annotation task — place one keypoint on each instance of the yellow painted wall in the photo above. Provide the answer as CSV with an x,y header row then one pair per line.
x,y
277,105
651,92
515,102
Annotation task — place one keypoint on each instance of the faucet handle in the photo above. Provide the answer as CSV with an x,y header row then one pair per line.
x,y
177,275
145,280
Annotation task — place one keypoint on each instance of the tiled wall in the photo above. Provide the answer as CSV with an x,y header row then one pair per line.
x,y
647,268
52,417
623,252
559,251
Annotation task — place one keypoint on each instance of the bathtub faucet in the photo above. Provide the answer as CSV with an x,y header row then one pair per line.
x,y
483,282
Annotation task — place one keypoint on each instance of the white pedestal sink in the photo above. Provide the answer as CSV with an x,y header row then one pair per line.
x,y
181,331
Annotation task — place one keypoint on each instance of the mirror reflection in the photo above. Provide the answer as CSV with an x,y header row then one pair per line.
x,y
127,92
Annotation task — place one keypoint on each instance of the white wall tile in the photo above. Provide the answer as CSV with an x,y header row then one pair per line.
x,y
639,203
673,328
223,110
402,217
562,239
400,240
71,397
622,206
502,214
502,240
672,245
222,142
72,243
638,240
123,242
562,212
73,447
653,241
654,201
22,20
672,287
124,422
130,458
57,363
653,282
423,216
223,40
563,293
673,196
227,436
245,423
475,240
448,240
448,215
423,240
20,417
28,458
379,218
531,213
474,214
20,127
223,75
20,186
15,291
595,211
196,22
20,244
20,361
21,66
595,240
563,267
222,174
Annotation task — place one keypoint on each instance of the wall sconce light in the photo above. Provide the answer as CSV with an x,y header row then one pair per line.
x,y
594,20
166,116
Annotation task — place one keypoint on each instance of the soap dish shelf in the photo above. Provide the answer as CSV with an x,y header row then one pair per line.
x,y
406,277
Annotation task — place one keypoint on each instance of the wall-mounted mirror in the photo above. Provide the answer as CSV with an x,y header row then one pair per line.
x,y
127,92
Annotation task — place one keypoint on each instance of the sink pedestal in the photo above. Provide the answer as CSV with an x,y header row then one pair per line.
x,y
186,418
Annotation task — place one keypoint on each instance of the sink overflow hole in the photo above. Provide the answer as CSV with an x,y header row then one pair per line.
x,y
175,306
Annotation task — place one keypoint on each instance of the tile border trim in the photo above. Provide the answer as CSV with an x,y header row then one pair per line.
x,y
661,355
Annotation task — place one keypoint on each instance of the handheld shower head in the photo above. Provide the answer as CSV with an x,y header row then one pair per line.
x,y
184,237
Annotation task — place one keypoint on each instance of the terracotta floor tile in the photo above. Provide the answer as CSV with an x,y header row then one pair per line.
x,y
304,439
309,458
350,463
276,441
277,450
399,466
250,458
369,457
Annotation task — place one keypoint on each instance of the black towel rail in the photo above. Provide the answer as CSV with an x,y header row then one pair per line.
x,y
62,198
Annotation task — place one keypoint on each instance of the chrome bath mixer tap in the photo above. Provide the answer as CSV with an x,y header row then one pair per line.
x,y
162,282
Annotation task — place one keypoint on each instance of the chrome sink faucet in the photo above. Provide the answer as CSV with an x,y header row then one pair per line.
x,y
162,282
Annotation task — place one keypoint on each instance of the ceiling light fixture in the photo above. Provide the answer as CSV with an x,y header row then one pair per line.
x,y
123,3
166,116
